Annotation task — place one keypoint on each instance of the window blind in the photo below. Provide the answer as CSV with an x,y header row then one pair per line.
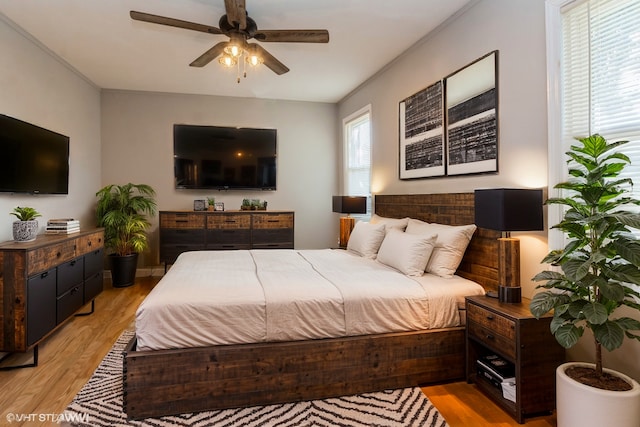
x,y
358,157
600,67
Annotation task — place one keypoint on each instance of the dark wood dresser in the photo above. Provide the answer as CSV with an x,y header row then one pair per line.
x,y
44,282
182,231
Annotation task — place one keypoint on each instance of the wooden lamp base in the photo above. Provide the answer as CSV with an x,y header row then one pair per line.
x,y
509,289
346,225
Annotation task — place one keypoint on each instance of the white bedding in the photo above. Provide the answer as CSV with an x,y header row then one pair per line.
x,y
235,297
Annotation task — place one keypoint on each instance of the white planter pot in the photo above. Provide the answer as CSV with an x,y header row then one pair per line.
x,y
25,231
580,405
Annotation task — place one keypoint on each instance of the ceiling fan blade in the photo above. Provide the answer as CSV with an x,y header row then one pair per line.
x,y
172,22
292,36
209,55
269,60
236,13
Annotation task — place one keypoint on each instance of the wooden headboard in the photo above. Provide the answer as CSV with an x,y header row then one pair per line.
x,y
480,262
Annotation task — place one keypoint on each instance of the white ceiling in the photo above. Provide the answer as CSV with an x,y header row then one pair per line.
x,y
101,41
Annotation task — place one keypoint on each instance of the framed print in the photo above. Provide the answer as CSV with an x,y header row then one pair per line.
x,y
199,205
422,148
471,103
218,206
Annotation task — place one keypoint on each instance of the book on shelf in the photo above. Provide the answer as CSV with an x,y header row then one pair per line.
x,y
495,369
63,222
62,230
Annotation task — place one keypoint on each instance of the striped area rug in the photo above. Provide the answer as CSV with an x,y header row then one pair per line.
x,y
99,403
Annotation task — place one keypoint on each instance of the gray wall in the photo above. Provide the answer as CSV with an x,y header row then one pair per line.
x,y
516,28
39,89
137,146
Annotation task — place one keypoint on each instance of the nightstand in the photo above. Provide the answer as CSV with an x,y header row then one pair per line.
x,y
511,332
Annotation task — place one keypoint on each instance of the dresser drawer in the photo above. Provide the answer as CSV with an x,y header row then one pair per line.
x,y
273,236
494,322
89,243
69,303
70,274
182,236
228,221
93,262
47,257
490,338
267,221
226,237
182,220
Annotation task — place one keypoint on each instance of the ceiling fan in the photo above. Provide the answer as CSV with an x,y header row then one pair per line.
x,y
239,27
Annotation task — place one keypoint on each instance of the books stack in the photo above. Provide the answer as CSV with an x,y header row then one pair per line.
x,y
62,226
498,372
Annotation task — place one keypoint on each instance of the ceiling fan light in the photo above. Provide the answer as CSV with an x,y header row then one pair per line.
x,y
254,60
233,50
227,61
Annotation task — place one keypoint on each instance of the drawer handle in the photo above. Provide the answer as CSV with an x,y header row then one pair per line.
x,y
58,255
45,274
490,317
72,263
89,243
182,220
490,337
230,221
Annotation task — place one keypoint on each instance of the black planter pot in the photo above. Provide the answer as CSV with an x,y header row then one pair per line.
x,y
123,269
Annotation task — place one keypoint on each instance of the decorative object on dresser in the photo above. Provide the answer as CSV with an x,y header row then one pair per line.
x,y
195,231
211,203
43,283
199,205
25,229
122,210
512,333
506,210
349,205
62,226
599,273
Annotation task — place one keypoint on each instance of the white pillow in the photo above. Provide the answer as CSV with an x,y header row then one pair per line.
x,y
390,223
450,247
407,253
365,239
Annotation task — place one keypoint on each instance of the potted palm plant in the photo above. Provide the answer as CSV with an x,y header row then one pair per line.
x,y
122,210
25,229
597,275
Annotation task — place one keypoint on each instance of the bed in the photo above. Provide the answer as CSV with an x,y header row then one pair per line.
x,y
175,367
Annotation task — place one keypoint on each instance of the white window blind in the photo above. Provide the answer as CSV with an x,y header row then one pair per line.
x,y
357,171
600,67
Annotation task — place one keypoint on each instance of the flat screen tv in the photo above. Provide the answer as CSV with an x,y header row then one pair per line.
x,y
224,158
32,159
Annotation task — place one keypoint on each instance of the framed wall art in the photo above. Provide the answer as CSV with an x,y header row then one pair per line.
x,y
471,102
422,145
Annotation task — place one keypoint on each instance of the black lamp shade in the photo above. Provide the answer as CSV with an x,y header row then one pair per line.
x,y
350,204
509,209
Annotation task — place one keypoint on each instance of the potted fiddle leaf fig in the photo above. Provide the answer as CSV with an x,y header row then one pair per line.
x,y
25,229
597,275
123,211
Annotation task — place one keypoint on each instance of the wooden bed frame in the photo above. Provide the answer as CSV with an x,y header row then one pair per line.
x,y
167,382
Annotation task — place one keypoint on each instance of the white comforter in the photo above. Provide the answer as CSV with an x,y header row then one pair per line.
x,y
234,297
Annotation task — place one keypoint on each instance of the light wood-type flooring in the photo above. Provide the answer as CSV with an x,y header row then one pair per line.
x,y
70,355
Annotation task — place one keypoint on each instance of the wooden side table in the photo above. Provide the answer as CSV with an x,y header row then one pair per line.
x,y
510,331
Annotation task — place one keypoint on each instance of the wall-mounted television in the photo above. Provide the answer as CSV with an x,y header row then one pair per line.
x,y
32,159
224,158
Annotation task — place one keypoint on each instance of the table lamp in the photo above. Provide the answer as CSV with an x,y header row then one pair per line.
x,y
506,210
349,205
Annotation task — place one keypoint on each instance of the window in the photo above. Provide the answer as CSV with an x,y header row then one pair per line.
x,y
357,155
595,65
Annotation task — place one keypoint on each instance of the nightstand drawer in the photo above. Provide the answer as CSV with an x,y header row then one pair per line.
x,y
496,323
490,338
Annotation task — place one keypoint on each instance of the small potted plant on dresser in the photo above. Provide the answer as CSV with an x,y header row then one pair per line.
x,y
211,203
25,229
598,269
122,210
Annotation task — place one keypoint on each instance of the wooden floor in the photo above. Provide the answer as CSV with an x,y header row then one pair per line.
x,y
70,355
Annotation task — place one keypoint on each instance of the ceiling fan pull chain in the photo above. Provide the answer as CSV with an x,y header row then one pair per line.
x,y
239,68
